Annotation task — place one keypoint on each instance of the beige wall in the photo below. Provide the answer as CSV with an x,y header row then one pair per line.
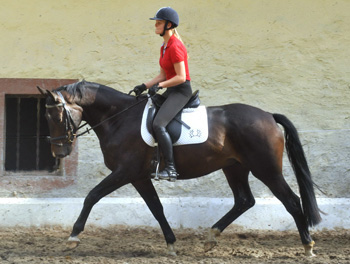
x,y
290,57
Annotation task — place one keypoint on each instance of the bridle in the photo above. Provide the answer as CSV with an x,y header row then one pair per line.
x,y
70,127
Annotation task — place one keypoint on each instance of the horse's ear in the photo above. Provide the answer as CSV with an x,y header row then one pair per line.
x,y
42,91
47,93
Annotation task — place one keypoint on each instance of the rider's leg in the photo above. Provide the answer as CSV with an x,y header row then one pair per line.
x,y
166,147
176,100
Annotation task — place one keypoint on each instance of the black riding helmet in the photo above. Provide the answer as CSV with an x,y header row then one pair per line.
x,y
169,15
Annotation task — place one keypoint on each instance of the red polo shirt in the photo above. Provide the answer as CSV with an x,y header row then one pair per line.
x,y
175,51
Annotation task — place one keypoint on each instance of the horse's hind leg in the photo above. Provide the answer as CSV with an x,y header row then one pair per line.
x,y
291,202
150,196
237,177
105,187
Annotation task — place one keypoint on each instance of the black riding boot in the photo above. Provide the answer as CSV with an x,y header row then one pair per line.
x,y
166,147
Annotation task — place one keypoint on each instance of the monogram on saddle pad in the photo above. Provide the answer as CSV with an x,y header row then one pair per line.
x,y
190,126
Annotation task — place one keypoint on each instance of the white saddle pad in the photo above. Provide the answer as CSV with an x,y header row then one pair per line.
x,y
196,118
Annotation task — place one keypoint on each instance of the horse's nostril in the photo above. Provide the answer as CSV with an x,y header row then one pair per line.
x,y
60,156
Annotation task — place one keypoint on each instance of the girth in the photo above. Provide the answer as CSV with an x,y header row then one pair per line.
x,y
174,127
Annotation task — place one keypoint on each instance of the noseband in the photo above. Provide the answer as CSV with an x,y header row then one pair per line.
x,y
70,128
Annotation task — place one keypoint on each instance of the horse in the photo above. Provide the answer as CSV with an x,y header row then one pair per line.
x,y
242,139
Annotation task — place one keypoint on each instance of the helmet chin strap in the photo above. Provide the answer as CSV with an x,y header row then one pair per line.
x,y
165,28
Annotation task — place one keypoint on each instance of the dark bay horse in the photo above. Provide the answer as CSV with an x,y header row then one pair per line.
x,y
242,139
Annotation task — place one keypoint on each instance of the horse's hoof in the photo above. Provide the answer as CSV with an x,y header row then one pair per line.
x,y
209,245
171,250
72,243
211,240
308,249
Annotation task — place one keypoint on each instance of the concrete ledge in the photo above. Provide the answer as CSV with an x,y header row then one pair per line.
x,y
181,212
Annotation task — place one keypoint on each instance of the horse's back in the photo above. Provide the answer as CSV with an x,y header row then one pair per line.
x,y
244,128
240,116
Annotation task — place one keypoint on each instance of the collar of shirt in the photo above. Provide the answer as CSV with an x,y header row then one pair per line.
x,y
168,44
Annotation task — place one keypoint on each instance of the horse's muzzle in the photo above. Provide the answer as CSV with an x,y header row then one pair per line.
x,y
61,151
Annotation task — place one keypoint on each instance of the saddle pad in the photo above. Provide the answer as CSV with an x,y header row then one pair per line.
x,y
196,118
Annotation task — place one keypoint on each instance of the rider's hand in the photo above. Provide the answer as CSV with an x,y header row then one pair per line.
x,y
138,90
154,89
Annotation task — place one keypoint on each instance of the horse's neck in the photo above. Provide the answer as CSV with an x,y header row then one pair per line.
x,y
103,112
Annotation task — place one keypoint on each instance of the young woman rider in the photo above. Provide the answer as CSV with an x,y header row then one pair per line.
x,y
174,75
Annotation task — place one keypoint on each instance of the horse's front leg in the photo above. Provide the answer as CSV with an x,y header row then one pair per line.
x,y
105,187
150,196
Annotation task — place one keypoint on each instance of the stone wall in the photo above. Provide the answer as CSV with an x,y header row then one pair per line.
x,y
289,57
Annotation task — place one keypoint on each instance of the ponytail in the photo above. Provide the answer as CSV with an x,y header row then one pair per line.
x,y
177,35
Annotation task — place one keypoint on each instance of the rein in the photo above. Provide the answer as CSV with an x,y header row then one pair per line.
x,y
70,125
124,110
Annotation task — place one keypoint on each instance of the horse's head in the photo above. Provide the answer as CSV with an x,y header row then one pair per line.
x,y
63,117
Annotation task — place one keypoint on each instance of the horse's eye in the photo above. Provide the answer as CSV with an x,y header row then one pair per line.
x,y
56,118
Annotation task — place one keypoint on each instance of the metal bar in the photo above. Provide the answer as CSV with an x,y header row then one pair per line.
x,y
37,161
18,132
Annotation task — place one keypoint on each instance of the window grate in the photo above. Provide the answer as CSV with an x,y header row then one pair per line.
x,y
27,147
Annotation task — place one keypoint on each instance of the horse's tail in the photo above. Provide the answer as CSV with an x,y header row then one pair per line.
x,y
301,169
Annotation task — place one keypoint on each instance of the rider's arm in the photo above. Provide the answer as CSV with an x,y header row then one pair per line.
x,y
159,78
179,78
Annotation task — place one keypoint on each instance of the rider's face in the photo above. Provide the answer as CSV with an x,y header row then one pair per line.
x,y
159,26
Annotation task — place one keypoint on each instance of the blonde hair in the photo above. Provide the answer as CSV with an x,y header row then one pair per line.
x,y
176,33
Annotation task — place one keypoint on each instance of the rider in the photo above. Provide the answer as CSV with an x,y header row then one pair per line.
x,y
174,75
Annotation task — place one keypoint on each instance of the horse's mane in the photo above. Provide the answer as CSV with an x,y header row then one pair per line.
x,y
78,91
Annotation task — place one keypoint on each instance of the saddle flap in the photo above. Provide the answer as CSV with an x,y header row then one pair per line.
x,y
150,116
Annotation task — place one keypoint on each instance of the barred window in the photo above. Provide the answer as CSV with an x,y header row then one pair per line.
x,y
24,149
27,147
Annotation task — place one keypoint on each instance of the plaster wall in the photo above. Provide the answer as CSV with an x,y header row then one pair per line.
x,y
289,57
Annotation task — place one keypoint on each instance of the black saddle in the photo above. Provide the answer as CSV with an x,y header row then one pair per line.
x,y
174,127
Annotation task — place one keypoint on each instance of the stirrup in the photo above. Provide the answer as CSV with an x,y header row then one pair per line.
x,y
166,174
